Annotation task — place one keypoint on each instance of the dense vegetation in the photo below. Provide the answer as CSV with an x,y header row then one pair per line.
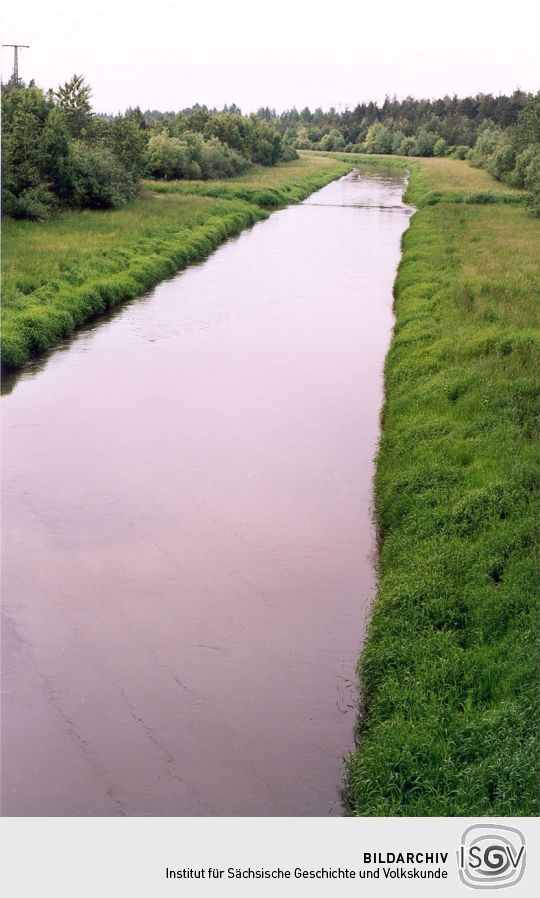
x,y
57,154
449,673
60,273
405,127
501,133
513,155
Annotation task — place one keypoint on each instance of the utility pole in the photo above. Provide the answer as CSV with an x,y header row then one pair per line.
x,y
16,48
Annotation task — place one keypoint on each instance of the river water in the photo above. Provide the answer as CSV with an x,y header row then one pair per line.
x,y
187,536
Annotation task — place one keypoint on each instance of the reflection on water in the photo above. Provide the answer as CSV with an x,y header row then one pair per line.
x,y
187,535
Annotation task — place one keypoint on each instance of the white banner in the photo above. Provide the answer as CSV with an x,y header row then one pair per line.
x,y
215,857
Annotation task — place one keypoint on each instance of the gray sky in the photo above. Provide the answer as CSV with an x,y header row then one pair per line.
x,y
280,53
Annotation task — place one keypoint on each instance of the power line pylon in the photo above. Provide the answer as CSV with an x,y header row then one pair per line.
x,y
16,48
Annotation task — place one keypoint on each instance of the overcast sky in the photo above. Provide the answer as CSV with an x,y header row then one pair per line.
x,y
281,53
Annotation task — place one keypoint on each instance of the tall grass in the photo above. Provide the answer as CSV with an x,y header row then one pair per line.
x,y
449,676
285,183
438,180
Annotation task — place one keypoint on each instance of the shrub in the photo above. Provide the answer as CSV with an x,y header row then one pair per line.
x,y
35,203
459,152
378,139
406,146
397,139
532,184
502,161
44,168
525,161
440,147
36,154
424,144
333,140
192,158
288,154
100,182
217,160
489,140
167,157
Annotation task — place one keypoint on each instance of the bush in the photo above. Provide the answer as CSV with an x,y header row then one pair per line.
x,y
127,142
525,161
424,144
333,140
35,203
288,154
440,147
459,152
379,139
489,140
100,182
36,154
406,146
532,184
192,157
502,161
217,160
167,157
45,169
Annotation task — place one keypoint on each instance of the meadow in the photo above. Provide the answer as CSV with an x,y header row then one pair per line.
x,y
271,188
435,180
59,274
448,717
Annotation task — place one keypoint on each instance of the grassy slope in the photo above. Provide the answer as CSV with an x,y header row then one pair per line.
x,y
59,274
448,669
267,187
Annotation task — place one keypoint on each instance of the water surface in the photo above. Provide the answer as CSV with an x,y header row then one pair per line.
x,y
187,530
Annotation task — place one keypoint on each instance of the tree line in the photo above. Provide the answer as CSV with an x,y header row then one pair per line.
x,y
408,127
513,155
501,134
57,153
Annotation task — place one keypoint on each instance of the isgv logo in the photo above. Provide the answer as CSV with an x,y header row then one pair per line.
x,y
491,856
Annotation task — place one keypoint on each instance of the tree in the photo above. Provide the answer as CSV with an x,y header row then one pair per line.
x,y
167,157
526,131
128,143
333,140
489,139
73,99
378,139
100,182
33,155
440,147
424,144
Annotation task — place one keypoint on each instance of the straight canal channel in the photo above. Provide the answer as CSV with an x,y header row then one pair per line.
x,y
187,528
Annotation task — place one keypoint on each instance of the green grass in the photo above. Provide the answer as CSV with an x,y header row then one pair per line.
x,y
59,274
448,722
438,180
268,187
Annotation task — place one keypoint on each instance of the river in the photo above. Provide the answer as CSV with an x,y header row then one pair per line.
x,y
187,528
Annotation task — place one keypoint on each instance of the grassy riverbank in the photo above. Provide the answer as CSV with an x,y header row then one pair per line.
x,y
61,273
448,724
266,187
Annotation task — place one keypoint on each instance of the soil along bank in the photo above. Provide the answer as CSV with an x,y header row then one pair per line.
x,y
62,273
448,725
